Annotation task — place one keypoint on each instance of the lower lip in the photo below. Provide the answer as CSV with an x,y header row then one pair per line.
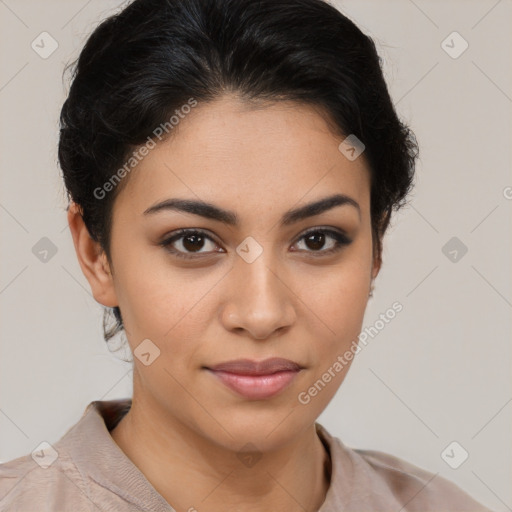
x,y
256,387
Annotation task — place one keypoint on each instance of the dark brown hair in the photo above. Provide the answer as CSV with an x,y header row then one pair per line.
x,y
140,65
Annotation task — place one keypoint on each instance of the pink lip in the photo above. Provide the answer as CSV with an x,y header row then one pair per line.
x,y
256,380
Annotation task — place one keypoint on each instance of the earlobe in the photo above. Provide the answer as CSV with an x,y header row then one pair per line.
x,y
92,259
377,263
376,267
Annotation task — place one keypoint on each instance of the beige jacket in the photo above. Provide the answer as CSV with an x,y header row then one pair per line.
x,y
87,471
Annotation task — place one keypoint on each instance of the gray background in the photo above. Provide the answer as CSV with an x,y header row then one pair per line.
x,y
439,372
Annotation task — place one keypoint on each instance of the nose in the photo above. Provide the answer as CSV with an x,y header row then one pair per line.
x,y
260,301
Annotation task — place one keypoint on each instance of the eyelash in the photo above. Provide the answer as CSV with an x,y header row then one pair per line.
x,y
340,239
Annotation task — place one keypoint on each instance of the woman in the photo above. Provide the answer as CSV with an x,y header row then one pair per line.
x,y
232,167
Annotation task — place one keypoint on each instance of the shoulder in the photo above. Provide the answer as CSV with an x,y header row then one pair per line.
x,y
416,487
373,480
82,471
27,485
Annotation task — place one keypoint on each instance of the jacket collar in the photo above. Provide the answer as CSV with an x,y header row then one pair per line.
x,y
98,457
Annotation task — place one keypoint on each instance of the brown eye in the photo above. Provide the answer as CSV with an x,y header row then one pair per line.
x,y
193,242
316,239
187,242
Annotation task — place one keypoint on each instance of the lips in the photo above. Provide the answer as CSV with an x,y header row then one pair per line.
x,y
248,367
256,380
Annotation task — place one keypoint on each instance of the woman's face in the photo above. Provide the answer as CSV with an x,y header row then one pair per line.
x,y
254,289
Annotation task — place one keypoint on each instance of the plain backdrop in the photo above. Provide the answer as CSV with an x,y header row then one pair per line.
x,y
439,372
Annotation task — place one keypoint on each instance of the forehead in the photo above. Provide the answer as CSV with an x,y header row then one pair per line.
x,y
250,158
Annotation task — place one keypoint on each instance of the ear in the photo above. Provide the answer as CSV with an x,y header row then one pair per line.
x,y
92,259
377,263
378,244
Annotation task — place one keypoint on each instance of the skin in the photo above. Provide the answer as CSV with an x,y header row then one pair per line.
x,y
185,428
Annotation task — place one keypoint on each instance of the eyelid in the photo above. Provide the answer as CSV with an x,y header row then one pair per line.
x,y
175,235
325,229
181,233
340,237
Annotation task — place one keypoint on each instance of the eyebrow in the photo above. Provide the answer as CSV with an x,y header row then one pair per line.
x,y
210,211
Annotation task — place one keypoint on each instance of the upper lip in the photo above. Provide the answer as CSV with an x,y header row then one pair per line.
x,y
249,367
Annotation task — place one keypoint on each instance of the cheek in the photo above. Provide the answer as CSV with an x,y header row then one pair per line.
x,y
173,306
334,317
334,302
339,300
167,305
339,293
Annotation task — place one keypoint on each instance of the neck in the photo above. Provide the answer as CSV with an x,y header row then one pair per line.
x,y
191,472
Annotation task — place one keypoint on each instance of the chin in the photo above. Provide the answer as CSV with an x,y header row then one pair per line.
x,y
265,429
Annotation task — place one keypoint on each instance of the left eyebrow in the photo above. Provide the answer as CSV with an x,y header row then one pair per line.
x,y
212,212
